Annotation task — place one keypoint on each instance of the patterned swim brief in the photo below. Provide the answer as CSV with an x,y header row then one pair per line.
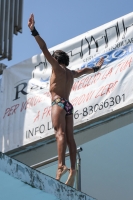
x,y
65,104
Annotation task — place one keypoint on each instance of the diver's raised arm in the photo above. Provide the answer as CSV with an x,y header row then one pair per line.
x,y
40,41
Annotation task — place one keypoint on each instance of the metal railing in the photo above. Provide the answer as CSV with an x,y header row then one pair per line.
x,y
78,166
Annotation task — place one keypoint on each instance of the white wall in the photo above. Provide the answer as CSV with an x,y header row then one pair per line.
x,y
107,165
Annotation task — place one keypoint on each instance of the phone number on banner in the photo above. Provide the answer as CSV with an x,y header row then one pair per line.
x,y
102,105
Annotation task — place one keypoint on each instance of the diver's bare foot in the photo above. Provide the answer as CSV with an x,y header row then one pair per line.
x,y
61,171
100,63
71,178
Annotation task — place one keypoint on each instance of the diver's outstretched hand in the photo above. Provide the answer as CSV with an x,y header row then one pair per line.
x,y
100,63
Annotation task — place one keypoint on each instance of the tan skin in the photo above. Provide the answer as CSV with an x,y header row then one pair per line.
x,y
61,82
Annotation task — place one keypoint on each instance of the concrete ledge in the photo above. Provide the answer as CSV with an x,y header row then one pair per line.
x,y
40,181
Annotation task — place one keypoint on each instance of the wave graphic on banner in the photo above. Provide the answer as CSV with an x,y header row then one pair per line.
x,y
111,56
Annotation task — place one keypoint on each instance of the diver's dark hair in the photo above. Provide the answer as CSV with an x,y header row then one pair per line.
x,y
61,57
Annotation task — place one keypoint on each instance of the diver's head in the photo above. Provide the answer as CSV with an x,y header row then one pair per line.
x,y
61,57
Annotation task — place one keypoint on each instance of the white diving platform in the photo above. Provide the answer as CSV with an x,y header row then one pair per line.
x,y
38,180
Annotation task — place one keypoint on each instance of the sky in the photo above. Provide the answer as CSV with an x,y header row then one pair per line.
x,y
59,21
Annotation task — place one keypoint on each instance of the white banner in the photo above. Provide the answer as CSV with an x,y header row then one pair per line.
x,y
25,115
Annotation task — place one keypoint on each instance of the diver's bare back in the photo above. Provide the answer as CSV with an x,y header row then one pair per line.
x,y
61,82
